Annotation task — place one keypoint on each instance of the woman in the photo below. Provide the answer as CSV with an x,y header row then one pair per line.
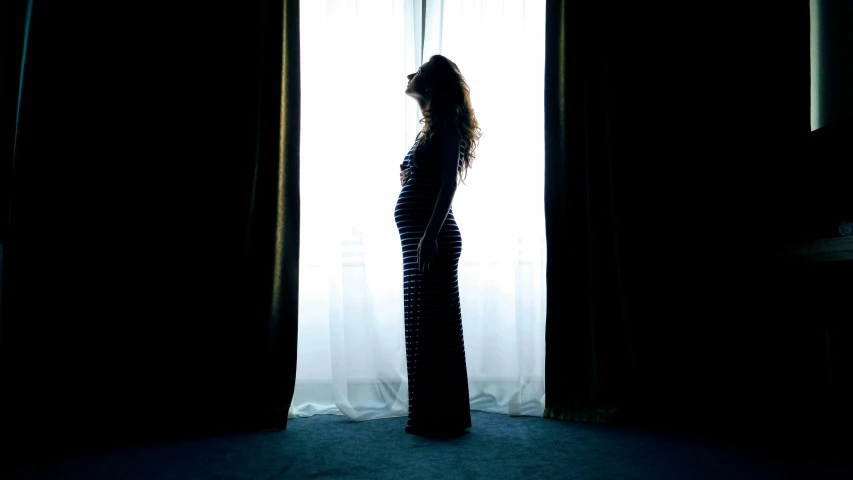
x,y
432,244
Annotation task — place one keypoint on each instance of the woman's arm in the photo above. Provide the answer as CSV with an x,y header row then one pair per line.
x,y
448,151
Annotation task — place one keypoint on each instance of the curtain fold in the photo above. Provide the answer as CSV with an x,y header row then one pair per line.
x,y
589,361
152,253
273,222
286,308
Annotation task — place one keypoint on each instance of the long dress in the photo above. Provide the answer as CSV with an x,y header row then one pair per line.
x,y
435,349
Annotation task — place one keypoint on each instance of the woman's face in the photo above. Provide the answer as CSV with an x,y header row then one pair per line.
x,y
417,86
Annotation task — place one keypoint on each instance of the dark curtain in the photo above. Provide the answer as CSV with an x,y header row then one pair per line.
x,y
13,22
671,149
588,347
151,260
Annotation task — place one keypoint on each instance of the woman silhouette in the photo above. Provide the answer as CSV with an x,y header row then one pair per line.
x,y
440,157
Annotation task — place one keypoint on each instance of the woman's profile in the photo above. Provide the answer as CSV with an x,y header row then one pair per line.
x,y
432,244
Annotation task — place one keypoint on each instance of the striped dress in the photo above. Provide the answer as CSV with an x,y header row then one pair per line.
x,y
435,350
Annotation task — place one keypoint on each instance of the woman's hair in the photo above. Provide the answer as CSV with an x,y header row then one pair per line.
x,y
449,108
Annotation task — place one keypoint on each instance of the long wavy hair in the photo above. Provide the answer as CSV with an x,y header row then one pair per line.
x,y
449,108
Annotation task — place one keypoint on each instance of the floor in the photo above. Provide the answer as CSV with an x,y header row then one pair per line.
x,y
496,447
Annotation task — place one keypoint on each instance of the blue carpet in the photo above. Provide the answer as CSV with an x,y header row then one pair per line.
x,y
496,447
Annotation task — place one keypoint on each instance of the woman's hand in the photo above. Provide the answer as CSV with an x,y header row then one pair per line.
x,y
427,253
404,175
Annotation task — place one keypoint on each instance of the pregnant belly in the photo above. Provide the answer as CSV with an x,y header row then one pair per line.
x,y
415,205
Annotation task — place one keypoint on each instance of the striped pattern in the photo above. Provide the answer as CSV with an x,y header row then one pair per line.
x,y
435,350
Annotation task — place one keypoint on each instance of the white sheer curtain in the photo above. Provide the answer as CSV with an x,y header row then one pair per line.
x,y
357,125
